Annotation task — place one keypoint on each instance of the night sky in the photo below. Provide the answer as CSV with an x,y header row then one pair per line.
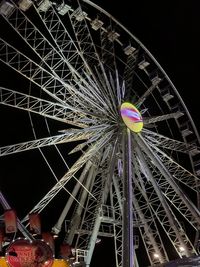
x,y
170,31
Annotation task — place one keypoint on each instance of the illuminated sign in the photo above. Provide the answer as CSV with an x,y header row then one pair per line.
x,y
131,117
24,253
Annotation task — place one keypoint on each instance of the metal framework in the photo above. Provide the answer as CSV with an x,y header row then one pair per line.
x,y
78,65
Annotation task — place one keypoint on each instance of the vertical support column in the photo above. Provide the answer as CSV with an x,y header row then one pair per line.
x,y
127,249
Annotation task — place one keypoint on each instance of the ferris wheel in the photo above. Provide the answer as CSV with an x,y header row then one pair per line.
x,y
98,101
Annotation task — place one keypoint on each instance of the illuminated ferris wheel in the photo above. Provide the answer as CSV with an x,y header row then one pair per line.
x,y
132,170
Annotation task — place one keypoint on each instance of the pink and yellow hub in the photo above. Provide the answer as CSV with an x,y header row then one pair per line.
x,y
131,117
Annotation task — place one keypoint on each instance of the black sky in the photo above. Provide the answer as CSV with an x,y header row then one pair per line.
x,y
169,30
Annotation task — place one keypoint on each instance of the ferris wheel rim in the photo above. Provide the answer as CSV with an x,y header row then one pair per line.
x,y
102,144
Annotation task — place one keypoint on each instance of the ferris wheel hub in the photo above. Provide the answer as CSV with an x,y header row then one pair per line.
x,y
131,117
